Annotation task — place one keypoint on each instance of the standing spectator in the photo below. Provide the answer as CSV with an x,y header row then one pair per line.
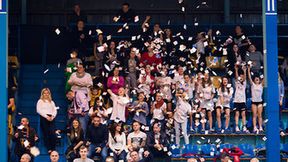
x,y
76,137
71,67
183,109
225,93
117,141
240,39
25,158
164,82
159,109
120,102
125,14
80,80
150,57
235,57
131,65
281,90
200,53
256,59
97,137
54,156
100,110
79,108
240,98
111,55
80,39
78,15
25,138
179,76
99,50
47,110
83,155
115,82
157,142
257,102
146,82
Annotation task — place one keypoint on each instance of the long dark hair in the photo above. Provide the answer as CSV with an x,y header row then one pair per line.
x,y
223,87
73,130
209,82
112,129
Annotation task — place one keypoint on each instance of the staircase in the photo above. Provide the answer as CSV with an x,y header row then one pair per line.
x,y
32,80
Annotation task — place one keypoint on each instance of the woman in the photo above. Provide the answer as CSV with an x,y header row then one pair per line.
x,y
115,82
111,55
76,138
47,110
146,82
117,141
183,109
257,102
225,93
150,58
99,51
99,110
207,93
159,109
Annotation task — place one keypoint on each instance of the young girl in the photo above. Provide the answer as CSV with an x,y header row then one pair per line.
x,y
141,109
240,98
257,102
117,141
47,110
225,93
183,109
99,110
159,109
197,99
207,94
119,104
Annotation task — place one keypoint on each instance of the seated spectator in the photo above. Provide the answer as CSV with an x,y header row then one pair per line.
x,y
140,108
25,137
83,155
78,15
254,160
256,59
191,160
25,158
134,157
79,108
115,82
120,102
136,141
109,159
157,143
76,137
97,137
117,141
80,80
54,156
47,110
125,14
100,110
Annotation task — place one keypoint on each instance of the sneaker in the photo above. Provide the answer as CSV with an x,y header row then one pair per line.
x,y
255,130
245,130
237,129
211,130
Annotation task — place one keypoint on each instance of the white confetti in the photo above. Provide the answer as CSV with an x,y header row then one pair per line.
x,y
46,71
57,31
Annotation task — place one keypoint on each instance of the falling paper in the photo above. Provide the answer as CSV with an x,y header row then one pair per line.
x,y
99,31
183,9
136,18
46,71
190,38
108,37
57,31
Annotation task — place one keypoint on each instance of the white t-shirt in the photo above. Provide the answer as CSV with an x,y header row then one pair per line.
x,y
226,97
181,111
257,91
240,92
137,139
208,91
158,113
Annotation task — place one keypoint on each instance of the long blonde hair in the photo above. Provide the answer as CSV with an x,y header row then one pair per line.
x,y
42,96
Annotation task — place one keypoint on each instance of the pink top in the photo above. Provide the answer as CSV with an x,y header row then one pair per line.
x,y
114,87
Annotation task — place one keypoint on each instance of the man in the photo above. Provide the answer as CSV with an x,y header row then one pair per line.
x,y
25,137
125,15
109,159
54,156
83,155
157,142
78,14
134,157
97,137
25,158
136,141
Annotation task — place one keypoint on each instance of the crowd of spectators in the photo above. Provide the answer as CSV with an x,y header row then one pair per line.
x,y
142,97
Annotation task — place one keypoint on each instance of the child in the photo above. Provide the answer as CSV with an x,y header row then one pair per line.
x,y
257,102
141,109
119,104
183,109
225,93
240,98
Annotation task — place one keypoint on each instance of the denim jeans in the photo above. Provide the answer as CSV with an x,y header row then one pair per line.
x,y
92,153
